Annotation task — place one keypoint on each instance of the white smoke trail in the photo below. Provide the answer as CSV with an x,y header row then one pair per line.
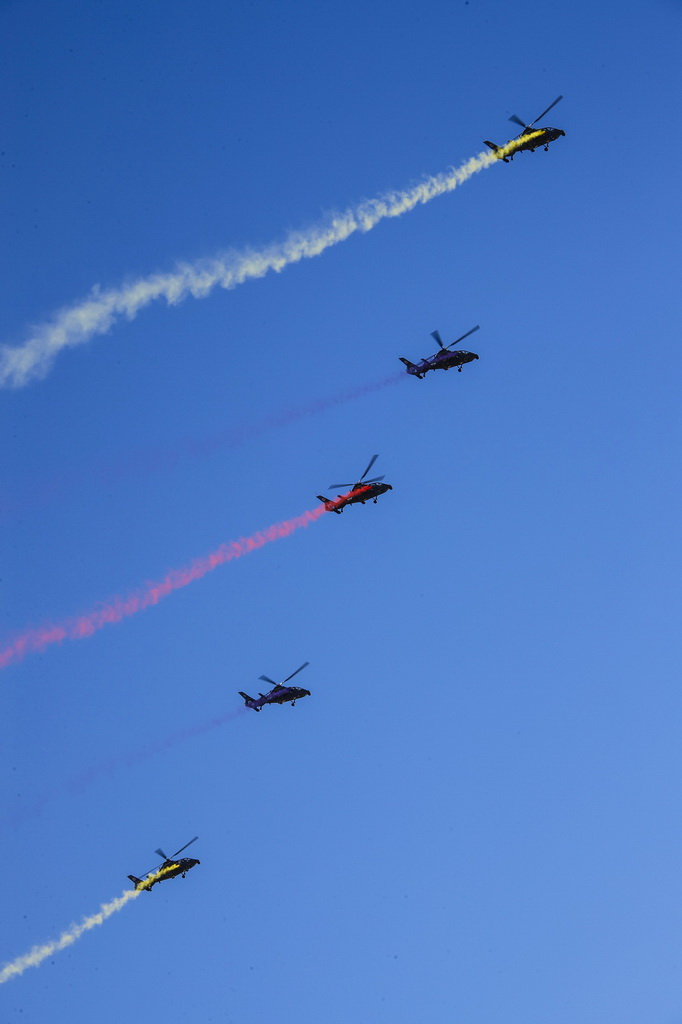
x,y
67,938
76,324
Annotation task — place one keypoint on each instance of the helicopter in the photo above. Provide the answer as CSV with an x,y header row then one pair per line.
x,y
443,359
279,694
361,491
530,138
169,869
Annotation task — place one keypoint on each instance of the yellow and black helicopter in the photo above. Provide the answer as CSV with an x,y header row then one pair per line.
x,y
530,138
169,869
361,491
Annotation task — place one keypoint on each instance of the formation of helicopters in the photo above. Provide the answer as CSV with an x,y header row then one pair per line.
x,y
530,138
364,490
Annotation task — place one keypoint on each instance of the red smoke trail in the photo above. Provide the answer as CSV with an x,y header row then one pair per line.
x,y
118,608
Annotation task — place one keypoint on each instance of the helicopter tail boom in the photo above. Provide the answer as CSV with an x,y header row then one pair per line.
x,y
139,883
495,149
327,502
411,367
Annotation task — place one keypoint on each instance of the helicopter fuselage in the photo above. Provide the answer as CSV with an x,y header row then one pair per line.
x,y
538,137
169,869
359,493
529,140
443,360
279,695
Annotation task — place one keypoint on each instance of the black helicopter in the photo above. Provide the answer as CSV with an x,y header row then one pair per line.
x,y
530,138
443,359
169,869
279,694
362,491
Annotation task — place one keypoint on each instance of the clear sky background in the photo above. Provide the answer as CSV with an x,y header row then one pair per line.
x,y
476,816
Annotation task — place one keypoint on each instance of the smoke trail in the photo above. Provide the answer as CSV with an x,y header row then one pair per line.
x,y
118,608
15,816
79,782
67,938
156,460
236,436
76,324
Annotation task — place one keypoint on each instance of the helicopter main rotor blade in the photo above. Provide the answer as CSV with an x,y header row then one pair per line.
x,y
304,665
436,335
517,120
371,463
184,847
476,328
334,487
545,111
266,680
152,871
161,854
375,479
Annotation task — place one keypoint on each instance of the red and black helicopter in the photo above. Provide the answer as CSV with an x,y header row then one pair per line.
x,y
443,359
530,138
169,869
279,694
362,491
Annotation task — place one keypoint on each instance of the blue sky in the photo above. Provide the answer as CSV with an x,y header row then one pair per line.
x,y
476,813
